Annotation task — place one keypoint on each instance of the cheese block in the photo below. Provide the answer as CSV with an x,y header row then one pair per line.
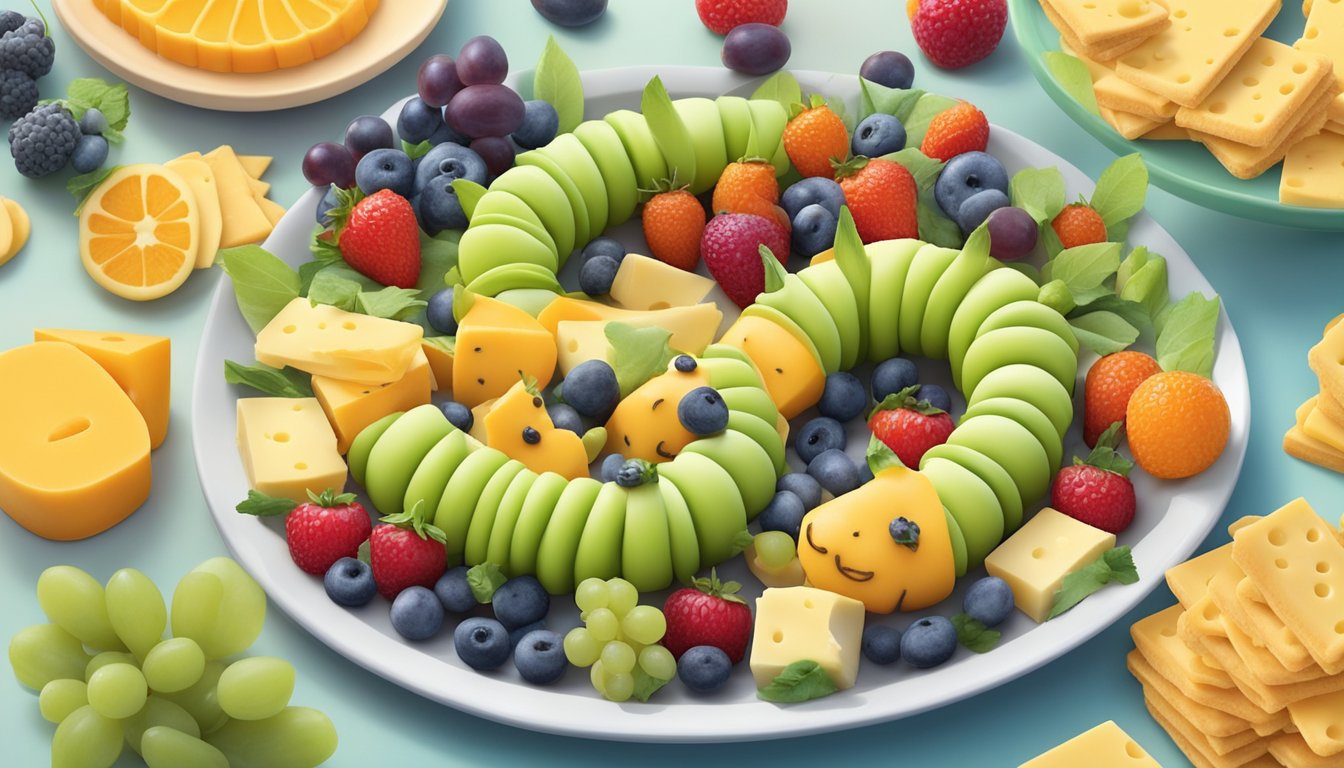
x,y
806,624
325,341
1106,746
351,407
579,341
288,447
141,366
497,345
1313,172
1035,559
201,178
1298,444
792,374
1129,125
439,351
1189,581
1097,22
244,221
645,284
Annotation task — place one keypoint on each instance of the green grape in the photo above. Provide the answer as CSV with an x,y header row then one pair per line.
x,y
598,677
619,686
618,657
174,665
74,601
45,652
202,699
621,596
775,549
136,609
105,658
196,603
298,737
644,624
581,648
118,691
157,711
256,688
61,697
591,594
657,661
242,612
164,747
86,739
603,625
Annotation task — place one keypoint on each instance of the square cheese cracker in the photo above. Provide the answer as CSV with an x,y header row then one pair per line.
x,y
1129,125
1216,723
1108,51
1324,35
1313,172
1299,445
1292,750
1097,22
1247,162
1195,744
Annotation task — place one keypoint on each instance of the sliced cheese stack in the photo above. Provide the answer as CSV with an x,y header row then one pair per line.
x,y
231,199
1248,668
1105,29
1317,436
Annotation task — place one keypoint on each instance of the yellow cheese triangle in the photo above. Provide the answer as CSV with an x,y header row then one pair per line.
x,y
244,221
201,178
255,165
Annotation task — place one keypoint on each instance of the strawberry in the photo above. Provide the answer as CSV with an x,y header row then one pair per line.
x,y
1110,383
1079,224
815,139
909,426
957,33
953,131
1097,490
883,198
673,221
407,552
720,16
377,236
708,612
750,186
319,531
732,249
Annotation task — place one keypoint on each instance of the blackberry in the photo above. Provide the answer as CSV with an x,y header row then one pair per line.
x,y
43,140
10,21
28,49
18,94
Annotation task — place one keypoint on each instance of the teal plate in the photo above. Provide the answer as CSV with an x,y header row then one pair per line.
x,y
1183,168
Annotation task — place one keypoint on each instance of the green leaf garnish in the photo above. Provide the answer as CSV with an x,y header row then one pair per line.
x,y
1121,191
484,579
977,244
917,122
934,227
775,273
262,283
974,635
669,131
391,302
637,354
781,87
875,98
741,540
800,681
259,504
1038,191
1086,266
925,169
1104,332
416,151
880,456
557,82
469,193
1104,454
1113,566
418,519
330,287
1073,76
1185,342
112,99
645,684
81,186
1147,286
277,382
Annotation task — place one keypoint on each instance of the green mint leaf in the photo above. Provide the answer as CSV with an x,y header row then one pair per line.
x,y
974,635
917,122
277,382
259,504
645,684
1104,454
557,82
1121,562
1086,266
1185,342
1104,332
416,151
934,227
1132,264
262,283
637,354
484,579
363,553
1039,192
392,303
800,681
112,99
1073,76
1148,286
879,99
80,187
669,132
925,169
781,87
841,110
329,286
1120,192
1115,565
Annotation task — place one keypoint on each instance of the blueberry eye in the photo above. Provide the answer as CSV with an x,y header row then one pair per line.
x,y
531,436
905,532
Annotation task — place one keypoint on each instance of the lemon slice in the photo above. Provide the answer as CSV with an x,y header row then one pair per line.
x,y
139,232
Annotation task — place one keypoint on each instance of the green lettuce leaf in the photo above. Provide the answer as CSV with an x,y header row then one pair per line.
x,y
262,283
875,98
277,382
1185,342
1038,191
1104,332
1073,76
781,87
557,82
1121,191
917,124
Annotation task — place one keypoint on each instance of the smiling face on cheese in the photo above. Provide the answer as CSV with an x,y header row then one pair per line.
x,y
645,424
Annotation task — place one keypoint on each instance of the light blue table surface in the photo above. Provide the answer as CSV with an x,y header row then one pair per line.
x,y
1280,287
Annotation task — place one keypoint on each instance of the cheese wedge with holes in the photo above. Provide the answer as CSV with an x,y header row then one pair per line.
x,y
806,624
288,447
1035,559
326,341
351,407
201,178
1098,22
1320,720
1106,746
1313,172
644,284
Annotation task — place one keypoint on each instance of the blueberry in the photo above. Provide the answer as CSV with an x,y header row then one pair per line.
x,y
878,135
540,124
93,123
531,436
892,376
438,208
604,246
905,532
445,134
817,189
704,668
90,154
592,389
843,398
386,169
631,473
611,467
890,68
802,485
784,513
597,274
458,415
978,207
418,121
819,435
540,657
989,601
366,133
482,644
835,471
325,205
454,161
936,396
865,473
813,230
440,312
702,411
417,613
570,13
520,601
685,363
929,642
966,174
563,416
454,591
349,582
881,644
516,635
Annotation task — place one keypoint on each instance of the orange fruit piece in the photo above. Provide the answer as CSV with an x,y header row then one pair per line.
x,y
139,231
1110,383
673,223
814,139
1177,423
1079,224
750,186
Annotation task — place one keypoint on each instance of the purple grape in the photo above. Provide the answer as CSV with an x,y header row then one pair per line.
x,y
570,13
482,61
890,68
437,80
485,110
367,133
329,163
756,49
497,152
1012,233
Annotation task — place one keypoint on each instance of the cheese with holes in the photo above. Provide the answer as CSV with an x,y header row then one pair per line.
x,y
1101,22
1035,560
1313,172
351,407
1324,35
579,341
141,366
805,624
201,179
1106,746
326,341
1320,720
643,284
74,460
288,447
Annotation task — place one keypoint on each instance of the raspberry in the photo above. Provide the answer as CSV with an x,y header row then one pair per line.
x,y
18,94
958,33
28,49
43,140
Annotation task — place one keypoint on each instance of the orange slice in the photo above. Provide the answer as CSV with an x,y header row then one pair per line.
x,y
139,232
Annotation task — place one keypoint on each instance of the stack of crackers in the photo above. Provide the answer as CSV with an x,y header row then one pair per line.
x,y
1200,70
1248,670
1318,434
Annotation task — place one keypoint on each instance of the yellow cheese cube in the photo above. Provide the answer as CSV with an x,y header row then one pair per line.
x,y
351,407
805,624
1035,560
1313,172
1106,746
643,283
579,341
288,447
326,341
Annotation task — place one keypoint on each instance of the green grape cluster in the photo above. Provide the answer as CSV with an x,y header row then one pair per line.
x,y
109,679
619,638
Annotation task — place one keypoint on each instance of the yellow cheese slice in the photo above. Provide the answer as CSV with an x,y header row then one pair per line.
x,y
1213,722
255,165
692,331
1247,162
1155,636
1292,749
201,178
1313,172
273,211
644,284
1190,580
326,341
1167,132
1320,720
1196,745
1097,22
1318,427
288,447
351,407
244,221
1324,35
1106,746
1106,51
1129,125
